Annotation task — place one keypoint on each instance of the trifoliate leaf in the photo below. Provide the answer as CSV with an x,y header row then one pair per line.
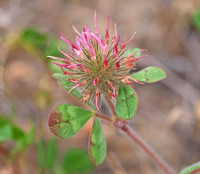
x,y
66,120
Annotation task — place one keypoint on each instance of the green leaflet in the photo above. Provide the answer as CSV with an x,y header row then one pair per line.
x,y
66,120
149,75
97,143
193,169
126,104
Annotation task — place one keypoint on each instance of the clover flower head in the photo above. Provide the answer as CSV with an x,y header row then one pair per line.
x,y
97,65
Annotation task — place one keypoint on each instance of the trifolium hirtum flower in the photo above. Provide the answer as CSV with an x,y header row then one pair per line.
x,y
97,65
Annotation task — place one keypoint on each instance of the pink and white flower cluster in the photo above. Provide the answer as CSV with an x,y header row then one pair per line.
x,y
97,64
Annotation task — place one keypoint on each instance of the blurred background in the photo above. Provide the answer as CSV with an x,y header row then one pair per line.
x,y
168,116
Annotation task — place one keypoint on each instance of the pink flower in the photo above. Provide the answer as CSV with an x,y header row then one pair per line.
x,y
97,64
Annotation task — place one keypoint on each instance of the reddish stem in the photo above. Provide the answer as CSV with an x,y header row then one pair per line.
x,y
104,117
195,171
121,124
140,142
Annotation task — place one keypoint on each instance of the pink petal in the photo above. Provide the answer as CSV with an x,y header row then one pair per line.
x,y
126,81
117,64
73,80
78,43
115,37
125,43
131,38
63,37
97,39
65,54
112,87
95,80
105,62
72,66
107,31
77,52
95,22
61,65
76,30
115,50
136,58
84,68
57,58
66,66
77,85
129,55
96,99
134,80
91,49
84,33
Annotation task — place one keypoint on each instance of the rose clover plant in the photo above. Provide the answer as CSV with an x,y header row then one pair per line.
x,y
97,70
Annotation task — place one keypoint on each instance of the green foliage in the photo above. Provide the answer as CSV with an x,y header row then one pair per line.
x,y
41,156
133,50
47,155
97,143
51,153
5,130
22,139
196,19
73,161
66,120
193,169
77,161
34,38
9,131
150,75
126,103
42,43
